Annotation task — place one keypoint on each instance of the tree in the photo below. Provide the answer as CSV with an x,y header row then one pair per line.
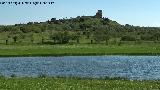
x,y
99,36
75,36
61,37
15,38
128,38
65,37
157,35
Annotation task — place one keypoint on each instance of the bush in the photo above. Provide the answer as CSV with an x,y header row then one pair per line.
x,y
128,38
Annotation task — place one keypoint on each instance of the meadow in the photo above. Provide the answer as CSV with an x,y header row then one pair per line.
x,y
78,50
49,83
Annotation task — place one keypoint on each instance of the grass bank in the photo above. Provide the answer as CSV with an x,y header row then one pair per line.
x,y
76,50
75,84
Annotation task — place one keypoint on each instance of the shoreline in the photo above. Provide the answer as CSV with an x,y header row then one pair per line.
x,y
76,77
90,54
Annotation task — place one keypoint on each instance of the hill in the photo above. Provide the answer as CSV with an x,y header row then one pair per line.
x,y
82,29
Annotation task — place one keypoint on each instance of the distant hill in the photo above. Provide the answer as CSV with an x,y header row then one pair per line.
x,y
95,29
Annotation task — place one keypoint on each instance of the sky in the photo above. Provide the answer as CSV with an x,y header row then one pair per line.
x,y
133,12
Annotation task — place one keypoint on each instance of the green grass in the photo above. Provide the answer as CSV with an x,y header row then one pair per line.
x,y
75,84
84,49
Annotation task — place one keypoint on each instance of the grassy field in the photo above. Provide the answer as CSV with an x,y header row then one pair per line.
x,y
75,84
66,50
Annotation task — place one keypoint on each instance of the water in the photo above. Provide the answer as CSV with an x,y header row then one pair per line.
x,y
131,67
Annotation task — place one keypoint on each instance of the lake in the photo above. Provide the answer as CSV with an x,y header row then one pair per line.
x,y
131,67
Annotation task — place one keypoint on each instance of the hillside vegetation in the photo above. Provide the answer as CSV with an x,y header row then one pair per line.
x,y
79,30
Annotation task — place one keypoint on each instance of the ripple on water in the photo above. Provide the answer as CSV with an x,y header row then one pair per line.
x,y
131,67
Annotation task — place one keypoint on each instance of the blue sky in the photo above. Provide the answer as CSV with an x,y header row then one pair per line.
x,y
134,12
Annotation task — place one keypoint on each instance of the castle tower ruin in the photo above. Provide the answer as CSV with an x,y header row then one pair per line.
x,y
99,14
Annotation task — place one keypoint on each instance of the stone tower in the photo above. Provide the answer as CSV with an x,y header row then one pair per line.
x,y
99,14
